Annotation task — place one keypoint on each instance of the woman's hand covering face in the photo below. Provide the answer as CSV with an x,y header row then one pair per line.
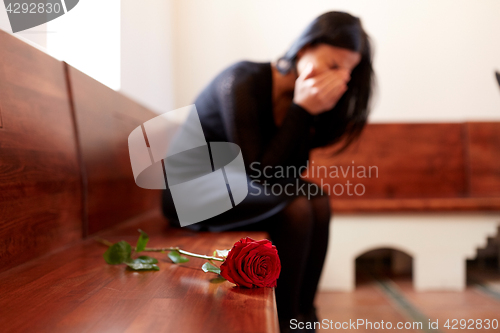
x,y
317,93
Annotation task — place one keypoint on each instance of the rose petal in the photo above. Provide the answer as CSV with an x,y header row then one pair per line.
x,y
252,263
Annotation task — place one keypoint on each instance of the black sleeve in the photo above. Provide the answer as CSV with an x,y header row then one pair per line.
x,y
239,104
329,127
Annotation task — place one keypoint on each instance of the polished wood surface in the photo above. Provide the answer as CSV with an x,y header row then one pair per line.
x,y
104,120
40,183
484,156
413,161
74,290
415,205
65,173
370,302
414,167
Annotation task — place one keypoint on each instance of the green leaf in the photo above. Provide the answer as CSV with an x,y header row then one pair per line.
x,y
143,263
118,253
142,241
218,279
140,265
176,257
208,267
146,260
221,253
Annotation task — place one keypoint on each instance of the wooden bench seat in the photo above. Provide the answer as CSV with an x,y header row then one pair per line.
x,y
415,205
66,177
74,290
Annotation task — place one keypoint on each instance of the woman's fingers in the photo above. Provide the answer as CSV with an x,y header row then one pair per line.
x,y
331,90
330,81
333,85
328,78
323,78
307,72
318,93
333,96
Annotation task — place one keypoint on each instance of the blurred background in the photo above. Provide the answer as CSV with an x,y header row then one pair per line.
x,y
434,62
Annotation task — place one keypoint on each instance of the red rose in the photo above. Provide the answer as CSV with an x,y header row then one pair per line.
x,y
252,264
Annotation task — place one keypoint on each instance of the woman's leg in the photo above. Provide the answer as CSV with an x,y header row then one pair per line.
x,y
317,253
291,231
300,232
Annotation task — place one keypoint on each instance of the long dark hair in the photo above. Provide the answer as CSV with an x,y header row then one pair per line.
x,y
345,122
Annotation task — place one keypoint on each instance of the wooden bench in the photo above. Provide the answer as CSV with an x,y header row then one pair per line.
x,y
66,177
434,193
419,167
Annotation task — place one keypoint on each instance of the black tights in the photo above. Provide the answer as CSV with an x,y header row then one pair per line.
x,y
300,232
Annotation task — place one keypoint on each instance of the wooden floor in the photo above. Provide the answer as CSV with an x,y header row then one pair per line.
x,y
392,299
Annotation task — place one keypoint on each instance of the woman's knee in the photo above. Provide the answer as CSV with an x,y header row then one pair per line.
x,y
300,213
321,210
300,206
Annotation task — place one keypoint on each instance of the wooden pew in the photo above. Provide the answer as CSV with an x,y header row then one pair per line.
x,y
104,119
483,145
65,174
435,195
419,167
74,290
40,179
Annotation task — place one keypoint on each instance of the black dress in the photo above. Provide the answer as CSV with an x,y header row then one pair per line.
x,y
237,107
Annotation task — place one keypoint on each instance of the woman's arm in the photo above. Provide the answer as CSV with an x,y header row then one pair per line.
x,y
241,118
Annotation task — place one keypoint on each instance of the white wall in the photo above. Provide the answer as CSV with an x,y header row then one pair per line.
x,y
88,38
439,243
4,20
126,45
435,60
146,53
85,38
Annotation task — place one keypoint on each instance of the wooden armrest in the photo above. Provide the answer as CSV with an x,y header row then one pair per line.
x,y
414,205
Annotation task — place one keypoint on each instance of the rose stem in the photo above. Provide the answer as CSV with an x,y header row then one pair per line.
x,y
149,249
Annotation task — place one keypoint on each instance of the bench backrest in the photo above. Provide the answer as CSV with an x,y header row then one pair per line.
x,y
65,170
40,178
435,163
483,145
104,119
